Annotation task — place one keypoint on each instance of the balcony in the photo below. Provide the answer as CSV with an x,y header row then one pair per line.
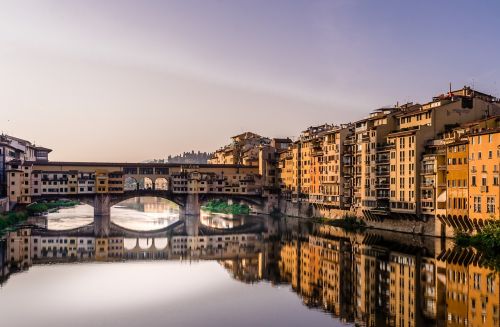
x,y
383,160
427,185
383,172
442,167
360,129
430,171
382,185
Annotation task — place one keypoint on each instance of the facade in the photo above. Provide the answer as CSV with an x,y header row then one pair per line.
x,y
243,150
13,148
31,180
484,161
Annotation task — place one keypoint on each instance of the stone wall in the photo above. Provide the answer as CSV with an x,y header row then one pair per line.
x,y
307,210
406,226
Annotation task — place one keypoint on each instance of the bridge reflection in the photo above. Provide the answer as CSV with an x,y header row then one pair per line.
x,y
374,278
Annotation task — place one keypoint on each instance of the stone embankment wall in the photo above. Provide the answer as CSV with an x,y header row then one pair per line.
x,y
307,210
405,226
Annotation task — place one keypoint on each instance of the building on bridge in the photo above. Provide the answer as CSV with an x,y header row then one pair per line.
x,y
32,180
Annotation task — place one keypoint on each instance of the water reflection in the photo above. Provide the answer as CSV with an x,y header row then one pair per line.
x,y
374,278
222,220
144,213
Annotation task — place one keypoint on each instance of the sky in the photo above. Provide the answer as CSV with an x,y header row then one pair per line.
x,y
125,80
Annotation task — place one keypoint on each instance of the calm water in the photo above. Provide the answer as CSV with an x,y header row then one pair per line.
x,y
238,271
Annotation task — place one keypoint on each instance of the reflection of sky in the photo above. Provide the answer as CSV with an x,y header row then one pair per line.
x,y
138,214
166,293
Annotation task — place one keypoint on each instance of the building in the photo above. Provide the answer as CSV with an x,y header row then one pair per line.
x,y
243,150
418,125
484,160
13,148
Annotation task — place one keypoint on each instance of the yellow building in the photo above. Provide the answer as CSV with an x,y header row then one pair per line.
x,y
422,123
484,161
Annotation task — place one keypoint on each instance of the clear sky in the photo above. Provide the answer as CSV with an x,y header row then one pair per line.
x,y
132,80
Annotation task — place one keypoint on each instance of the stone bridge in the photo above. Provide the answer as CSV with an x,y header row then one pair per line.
x,y
189,203
185,226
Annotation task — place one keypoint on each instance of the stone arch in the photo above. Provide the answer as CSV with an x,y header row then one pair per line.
x,y
146,183
161,183
130,184
145,243
161,243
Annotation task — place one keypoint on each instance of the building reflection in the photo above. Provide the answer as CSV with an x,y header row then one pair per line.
x,y
375,278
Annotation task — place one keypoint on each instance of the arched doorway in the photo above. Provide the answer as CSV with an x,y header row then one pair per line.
x,y
130,184
161,184
146,184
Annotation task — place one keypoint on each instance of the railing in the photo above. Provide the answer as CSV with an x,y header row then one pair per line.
x,y
428,171
382,172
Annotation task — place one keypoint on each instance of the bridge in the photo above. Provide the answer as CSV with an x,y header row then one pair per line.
x,y
103,185
187,237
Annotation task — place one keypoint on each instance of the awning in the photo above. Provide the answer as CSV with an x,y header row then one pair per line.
x,y
442,197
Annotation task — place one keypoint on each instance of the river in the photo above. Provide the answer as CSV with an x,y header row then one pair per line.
x,y
238,271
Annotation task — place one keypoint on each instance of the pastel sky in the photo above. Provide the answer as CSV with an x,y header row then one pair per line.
x,y
128,80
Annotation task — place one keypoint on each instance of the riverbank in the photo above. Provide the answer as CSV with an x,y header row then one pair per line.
x,y
11,219
486,241
310,211
41,208
219,206
349,223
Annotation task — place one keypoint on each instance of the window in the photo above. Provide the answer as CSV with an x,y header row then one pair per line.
x,y
477,281
490,204
490,283
477,204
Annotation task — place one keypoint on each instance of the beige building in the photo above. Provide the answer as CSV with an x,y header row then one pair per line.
x,y
418,125
243,150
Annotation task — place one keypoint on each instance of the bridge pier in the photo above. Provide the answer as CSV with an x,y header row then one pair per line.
x,y
190,213
191,207
102,215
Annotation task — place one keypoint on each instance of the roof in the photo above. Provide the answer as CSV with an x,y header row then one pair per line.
x,y
41,148
131,164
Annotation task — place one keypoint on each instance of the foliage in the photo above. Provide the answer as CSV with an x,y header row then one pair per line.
x,y
220,206
11,219
487,241
35,208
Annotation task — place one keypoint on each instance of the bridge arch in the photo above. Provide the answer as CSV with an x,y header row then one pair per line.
x,y
146,183
161,183
130,184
